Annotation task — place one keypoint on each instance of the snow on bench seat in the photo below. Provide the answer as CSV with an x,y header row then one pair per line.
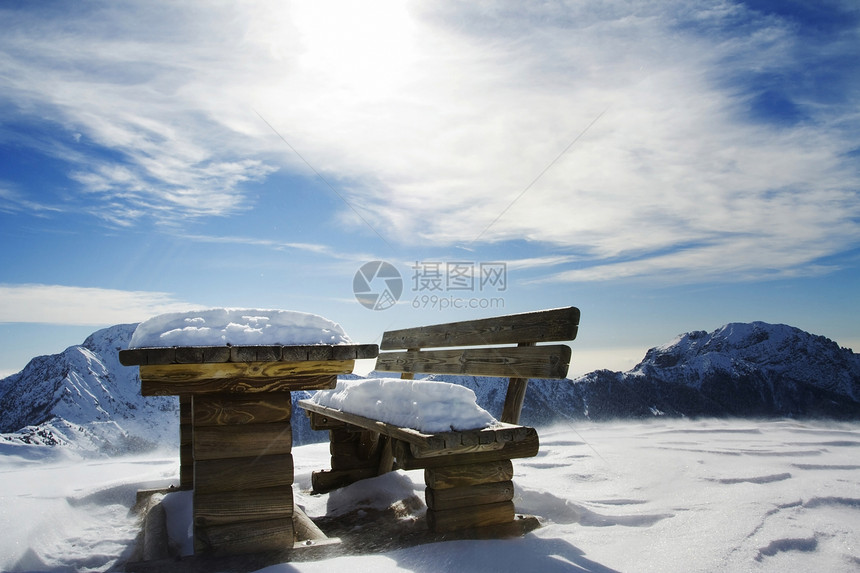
x,y
423,405
433,418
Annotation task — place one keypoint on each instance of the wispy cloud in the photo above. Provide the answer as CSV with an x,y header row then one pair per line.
x,y
15,202
310,248
707,162
60,304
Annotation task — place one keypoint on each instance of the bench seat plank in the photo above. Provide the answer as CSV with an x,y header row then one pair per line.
x,y
423,445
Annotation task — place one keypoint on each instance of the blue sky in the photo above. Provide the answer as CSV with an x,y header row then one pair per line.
x,y
665,166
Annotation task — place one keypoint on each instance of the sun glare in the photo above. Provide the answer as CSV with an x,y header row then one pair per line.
x,y
360,46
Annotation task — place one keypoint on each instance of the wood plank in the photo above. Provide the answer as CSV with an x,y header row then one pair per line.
x,y
220,442
198,354
469,474
459,497
441,444
351,462
555,325
514,399
243,370
473,441
306,529
255,353
472,516
550,361
186,467
185,410
515,396
328,480
237,386
511,450
212,476
138,356
245,537
386,456
206,354
322,422
233,409
242,505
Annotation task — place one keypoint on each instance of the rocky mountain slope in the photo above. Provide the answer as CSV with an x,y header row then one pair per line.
x,y
83,398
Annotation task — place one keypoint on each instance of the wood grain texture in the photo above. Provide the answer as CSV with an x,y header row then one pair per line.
x,y
243,370
265,353
245,537
212,476
458,497
328,480
470,474
220,442
186,467
230,409
515,396
512,450
322,422
550,361
555,325
469,517
242,505
237,385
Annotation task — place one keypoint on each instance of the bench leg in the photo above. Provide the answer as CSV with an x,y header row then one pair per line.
x,y
469,496
355,455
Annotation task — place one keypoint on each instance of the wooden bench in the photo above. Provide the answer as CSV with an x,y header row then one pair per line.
x,y
468,473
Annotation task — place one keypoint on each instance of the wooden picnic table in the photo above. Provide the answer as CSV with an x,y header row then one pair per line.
x,y
236,433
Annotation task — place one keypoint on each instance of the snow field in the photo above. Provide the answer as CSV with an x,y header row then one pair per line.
x,y
667,495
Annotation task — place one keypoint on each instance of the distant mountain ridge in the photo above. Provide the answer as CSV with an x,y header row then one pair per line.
x,y
84,399
741,369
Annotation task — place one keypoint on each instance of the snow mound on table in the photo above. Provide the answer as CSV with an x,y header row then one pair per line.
x,y
237,326
423,405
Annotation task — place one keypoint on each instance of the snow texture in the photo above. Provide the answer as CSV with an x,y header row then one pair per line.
x,y
221,326
665,495
426,406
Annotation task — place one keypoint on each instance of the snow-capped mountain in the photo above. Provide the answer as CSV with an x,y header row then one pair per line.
x,y
741,369
84,398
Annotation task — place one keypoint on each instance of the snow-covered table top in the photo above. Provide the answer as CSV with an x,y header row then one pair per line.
x,y
240,335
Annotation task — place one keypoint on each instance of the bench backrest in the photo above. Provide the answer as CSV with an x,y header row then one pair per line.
x,y
481,358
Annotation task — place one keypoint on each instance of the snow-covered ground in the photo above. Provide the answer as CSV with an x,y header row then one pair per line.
x,y
668,495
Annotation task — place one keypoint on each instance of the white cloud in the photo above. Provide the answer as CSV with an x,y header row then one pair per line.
x,y
440,115
58,304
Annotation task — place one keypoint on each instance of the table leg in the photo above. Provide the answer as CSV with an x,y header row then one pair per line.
x,y
243,473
